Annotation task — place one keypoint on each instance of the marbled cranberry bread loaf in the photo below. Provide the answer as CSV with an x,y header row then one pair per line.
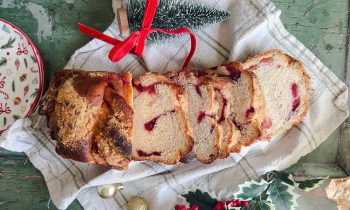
x,y
106,118
90,115
286,87
161,131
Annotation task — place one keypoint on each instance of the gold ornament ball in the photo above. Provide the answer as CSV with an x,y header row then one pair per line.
x,y
137,203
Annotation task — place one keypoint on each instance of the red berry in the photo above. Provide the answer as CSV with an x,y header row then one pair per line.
x,y
188,209
195,207
182,207
245,203
222,204
217,206
238,201
228,202
177,206
234,204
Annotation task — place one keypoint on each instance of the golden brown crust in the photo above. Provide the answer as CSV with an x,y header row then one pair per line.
x,y
262,55
79,151
119,124
74,107
121,82
73,119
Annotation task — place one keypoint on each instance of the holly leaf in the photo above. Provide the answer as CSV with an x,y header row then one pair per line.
x,y
281,176
13,86
251,189
310,184
3,61
35,81
281,195
16,117
25,63
202,199
259,204
34,93
33,59
8,43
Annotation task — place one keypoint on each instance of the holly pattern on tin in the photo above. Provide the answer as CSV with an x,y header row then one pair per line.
x,y
21,75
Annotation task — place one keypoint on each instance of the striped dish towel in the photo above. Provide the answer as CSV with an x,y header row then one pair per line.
x,y
254,27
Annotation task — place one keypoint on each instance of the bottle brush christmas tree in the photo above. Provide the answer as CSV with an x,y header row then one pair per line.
x,y
173,14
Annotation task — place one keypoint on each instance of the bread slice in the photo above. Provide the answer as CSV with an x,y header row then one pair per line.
x,y
161,132
286,88
113,138
227,101
201,109
249,109
211,100
83,106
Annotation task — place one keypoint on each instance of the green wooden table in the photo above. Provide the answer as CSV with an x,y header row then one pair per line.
x,y
322,25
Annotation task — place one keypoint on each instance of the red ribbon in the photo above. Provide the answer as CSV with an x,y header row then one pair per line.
x,y
135,43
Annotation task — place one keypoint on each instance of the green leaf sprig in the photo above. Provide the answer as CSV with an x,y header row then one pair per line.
x,y
274,191
8,44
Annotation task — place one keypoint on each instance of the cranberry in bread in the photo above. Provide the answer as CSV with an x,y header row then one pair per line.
x,y
200,97
212,101
286,88
226,102
161,132
249,108
225,95
90,115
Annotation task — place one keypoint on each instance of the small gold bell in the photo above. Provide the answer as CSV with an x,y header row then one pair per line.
x,y
109,190
137,203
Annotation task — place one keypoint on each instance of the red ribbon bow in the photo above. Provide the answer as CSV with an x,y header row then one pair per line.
x,y
135,43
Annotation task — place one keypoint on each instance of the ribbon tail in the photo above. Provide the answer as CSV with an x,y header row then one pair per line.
x,y
193,42
98,35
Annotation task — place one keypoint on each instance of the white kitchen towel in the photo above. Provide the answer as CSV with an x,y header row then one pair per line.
x,y
254,27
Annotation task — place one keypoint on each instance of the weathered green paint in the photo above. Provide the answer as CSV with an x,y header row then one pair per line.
x,y
22,186
307,170
57,38
321,25
344,154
